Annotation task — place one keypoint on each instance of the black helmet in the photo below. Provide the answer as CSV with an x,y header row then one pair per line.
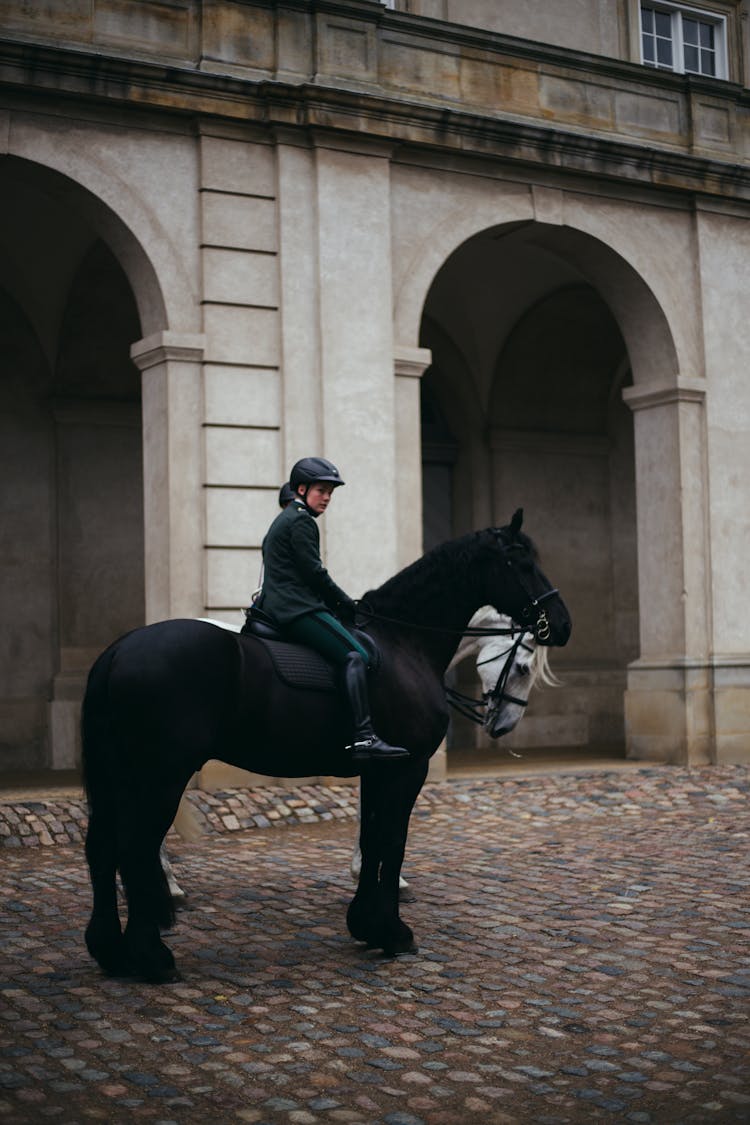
x,y
312,469
286,495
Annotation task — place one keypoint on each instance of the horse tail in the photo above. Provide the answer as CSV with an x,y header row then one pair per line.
x,y
95,735
104,933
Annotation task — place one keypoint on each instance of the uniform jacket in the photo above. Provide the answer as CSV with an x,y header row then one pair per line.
x,y
295,582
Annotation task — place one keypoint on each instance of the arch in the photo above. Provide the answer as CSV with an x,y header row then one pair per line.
x,y
113,212
73,433
654,350
525,326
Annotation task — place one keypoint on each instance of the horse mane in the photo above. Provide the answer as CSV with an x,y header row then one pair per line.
x,y
426,577
445,564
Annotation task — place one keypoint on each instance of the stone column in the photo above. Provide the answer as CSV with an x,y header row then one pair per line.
x,y
356,362
300,314
669,698
172,473
410,365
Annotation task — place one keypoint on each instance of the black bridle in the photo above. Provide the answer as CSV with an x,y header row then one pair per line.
x,y
476,709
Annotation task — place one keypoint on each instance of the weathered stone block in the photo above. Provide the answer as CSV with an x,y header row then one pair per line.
x,y
243,457
239,517
240,277
231,577
229,165
242,335
239,222
242,396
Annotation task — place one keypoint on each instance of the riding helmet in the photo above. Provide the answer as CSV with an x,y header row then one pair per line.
x,y
286,495
310,470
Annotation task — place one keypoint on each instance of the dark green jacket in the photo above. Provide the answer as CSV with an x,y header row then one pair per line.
x,y
295,582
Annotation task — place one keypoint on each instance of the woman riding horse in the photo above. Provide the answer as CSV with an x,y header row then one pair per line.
x,y
164,699
299,594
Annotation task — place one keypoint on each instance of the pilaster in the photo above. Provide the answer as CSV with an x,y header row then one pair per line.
x,y
669,700
409,365
172,472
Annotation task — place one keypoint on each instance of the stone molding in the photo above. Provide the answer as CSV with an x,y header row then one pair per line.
x,y
644,397
335,109
411,363
163,347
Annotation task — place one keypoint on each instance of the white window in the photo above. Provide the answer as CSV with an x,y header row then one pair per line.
x,y
685,40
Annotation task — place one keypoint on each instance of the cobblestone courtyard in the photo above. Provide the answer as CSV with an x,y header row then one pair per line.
x,y
583,956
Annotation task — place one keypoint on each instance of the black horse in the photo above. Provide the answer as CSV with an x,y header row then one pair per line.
x,y
164,699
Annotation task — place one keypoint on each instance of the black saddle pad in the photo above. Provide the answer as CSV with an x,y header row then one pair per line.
x,y
300,667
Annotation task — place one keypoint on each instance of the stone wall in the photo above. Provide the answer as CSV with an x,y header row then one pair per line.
x,y
311,204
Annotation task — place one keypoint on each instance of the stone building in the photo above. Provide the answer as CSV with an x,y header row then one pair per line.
x,y
491,253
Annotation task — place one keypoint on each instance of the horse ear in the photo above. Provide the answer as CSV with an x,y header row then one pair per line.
x,y
515,523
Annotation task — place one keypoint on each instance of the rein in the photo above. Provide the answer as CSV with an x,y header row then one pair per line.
x,y
474,709
541,629
469,631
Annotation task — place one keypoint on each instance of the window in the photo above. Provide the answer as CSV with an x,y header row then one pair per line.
x,y
685,40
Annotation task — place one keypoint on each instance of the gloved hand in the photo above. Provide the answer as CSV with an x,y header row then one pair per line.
x,y
346,611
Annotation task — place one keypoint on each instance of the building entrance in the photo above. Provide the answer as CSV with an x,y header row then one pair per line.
x,y
528,364
72,500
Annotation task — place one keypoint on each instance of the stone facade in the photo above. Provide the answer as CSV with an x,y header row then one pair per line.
x,y
485,262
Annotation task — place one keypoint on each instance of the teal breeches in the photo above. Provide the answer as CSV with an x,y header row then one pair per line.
x,y
323,632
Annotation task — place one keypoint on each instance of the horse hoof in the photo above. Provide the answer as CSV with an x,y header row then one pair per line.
x,y
163,976
396,949
106,946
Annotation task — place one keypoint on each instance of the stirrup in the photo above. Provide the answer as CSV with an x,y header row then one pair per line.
x,y
371,748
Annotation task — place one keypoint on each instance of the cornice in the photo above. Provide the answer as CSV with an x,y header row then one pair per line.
x,y
323,114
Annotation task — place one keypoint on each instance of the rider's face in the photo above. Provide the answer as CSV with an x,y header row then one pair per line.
x,y
319,496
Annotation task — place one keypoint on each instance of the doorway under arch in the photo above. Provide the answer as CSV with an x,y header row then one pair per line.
x,y
528,363
72,508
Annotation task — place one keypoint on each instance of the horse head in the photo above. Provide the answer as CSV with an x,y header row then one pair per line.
x,y
519,586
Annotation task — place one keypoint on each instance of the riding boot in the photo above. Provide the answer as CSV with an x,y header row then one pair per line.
x,y
366,746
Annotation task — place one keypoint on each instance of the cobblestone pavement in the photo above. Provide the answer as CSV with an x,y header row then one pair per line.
x,y
583,956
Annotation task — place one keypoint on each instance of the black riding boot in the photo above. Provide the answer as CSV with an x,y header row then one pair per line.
x,y
366,745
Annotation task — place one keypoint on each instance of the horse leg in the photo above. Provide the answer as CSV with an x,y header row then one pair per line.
x,y
104,932
355,864
387,802
143,823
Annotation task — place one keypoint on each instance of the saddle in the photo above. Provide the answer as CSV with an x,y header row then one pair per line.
x,y
296,665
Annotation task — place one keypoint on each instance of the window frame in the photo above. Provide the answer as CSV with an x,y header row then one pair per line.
x,y
677,12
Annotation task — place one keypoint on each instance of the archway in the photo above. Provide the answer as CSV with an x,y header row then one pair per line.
x,y
71,432
528,363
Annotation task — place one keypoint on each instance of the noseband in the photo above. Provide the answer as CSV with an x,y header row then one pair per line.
x,y
475,709
499,694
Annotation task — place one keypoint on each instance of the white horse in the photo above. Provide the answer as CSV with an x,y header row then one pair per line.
x,y
509,664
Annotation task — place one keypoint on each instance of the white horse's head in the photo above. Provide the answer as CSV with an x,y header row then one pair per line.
x,y
508,665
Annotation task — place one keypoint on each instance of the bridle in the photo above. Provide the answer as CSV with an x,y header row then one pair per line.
x,y
541,629
476,709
